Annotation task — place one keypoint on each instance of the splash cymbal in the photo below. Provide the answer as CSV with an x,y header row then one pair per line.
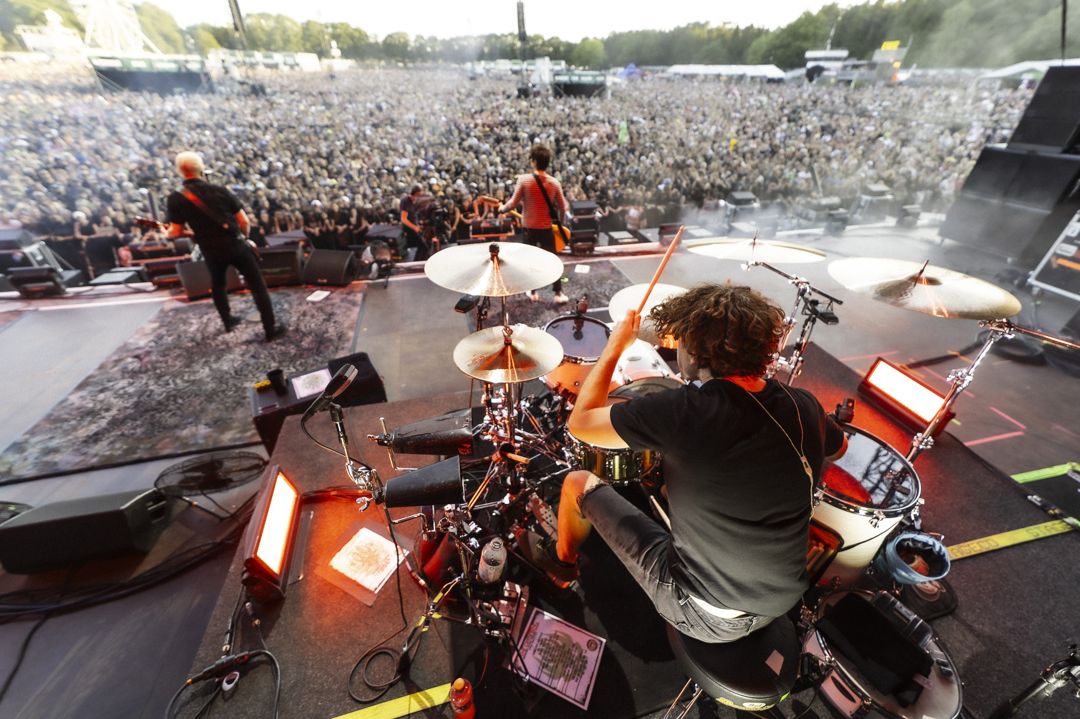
x,y
925,288
472,270
493,355
628,298
769,251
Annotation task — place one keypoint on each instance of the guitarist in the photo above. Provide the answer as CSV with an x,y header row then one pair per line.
x,y
220,226
538,192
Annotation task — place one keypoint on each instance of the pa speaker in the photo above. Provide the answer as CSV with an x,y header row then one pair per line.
x,y
64,533
280,265
1051,121
330,267
195,277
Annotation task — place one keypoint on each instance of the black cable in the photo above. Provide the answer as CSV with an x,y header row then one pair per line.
x,y
22,655
963,352
214,673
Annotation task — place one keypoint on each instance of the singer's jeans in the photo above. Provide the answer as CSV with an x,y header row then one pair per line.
x,y
543,238
242,257
644,547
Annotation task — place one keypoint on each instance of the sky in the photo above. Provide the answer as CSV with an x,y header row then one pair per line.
x,y
568,19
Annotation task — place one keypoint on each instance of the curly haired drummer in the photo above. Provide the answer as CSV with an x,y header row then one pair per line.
x,y
742,456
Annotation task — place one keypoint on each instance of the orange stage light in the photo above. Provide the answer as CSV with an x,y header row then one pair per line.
x,y
270,537
907,397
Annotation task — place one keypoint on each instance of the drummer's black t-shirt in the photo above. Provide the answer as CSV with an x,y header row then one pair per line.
x,y
740,500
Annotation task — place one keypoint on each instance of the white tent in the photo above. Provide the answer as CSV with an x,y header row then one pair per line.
x,y
765,72
1036,68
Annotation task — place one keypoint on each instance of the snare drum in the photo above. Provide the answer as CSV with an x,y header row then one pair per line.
x,y
864,496
625,464
853,696
583,339
640,361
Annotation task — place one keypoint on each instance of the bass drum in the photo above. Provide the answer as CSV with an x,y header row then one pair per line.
x,y
623,464
864,496
845,685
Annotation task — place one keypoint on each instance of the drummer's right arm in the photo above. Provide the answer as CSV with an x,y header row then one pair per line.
x,y
590,421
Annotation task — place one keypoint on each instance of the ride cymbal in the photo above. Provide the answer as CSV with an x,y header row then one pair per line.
x,y
628,298
924,288
473,270
508,354
758,251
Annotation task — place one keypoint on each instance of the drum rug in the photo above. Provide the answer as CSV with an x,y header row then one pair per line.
x,y
599,280
180,383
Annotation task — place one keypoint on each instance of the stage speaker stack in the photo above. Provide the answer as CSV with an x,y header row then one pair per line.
x,y
65,533
1017,199
195,278
329,267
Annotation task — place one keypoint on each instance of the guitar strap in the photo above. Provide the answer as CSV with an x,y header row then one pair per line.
x,y
551,208
195,200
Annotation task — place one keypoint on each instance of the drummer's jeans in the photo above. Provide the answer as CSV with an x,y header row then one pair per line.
x,y
644,547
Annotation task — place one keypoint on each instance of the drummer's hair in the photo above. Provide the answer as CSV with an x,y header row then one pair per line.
x,y
541,155
733,330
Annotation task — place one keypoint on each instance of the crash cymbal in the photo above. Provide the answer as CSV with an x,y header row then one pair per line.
x,y
486,355
922,287
628,298
757,251
470,269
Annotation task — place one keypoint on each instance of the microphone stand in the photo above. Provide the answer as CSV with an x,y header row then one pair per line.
x,y
363,476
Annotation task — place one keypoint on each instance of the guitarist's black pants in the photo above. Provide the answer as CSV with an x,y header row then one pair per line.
x,y
543,238
242,257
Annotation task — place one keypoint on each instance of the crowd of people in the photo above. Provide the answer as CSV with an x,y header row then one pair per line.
x,y
334,155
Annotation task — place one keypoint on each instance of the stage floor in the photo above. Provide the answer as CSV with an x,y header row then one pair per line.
x,y
1016,605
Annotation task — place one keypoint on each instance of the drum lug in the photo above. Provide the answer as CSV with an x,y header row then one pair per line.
x,y
877,518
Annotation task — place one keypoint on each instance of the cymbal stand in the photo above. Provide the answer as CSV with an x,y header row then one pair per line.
x,y
1054,677
961,378
807,305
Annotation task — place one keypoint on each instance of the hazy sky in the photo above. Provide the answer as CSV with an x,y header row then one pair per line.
x,y
567,19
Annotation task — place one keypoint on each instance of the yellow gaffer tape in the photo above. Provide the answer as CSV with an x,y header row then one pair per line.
x,y
403,706
1036,474
1007,539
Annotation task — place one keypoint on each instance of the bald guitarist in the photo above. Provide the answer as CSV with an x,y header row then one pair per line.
x,y
219,226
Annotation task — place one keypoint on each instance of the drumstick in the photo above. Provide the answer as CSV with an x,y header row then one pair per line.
x,y
660,269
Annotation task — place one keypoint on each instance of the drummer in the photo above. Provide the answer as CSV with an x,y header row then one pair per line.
x,y
742,456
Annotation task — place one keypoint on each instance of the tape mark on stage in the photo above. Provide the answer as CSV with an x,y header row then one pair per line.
x,y
403,706
994,438
1046,473
1008,539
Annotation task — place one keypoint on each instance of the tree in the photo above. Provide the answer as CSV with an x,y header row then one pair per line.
x,y
32,12
275,33
589,53
160,27
396,46
203,37
315,38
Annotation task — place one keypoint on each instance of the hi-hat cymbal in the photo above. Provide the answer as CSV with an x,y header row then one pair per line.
x,y
758,251
628,298
486,355
470,269
924,288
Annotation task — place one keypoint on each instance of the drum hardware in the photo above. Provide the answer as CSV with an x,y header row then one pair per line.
x,y
806,305
959,379
1054,677
755,250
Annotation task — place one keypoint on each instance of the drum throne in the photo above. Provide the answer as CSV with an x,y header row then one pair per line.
x,y
754,673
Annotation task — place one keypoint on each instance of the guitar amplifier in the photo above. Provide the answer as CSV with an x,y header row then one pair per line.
x,y
491,228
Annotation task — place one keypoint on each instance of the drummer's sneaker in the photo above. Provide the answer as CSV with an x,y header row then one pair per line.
x,y
561,298
534,296
539,552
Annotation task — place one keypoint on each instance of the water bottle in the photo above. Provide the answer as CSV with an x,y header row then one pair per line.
x,y
492,562
461,699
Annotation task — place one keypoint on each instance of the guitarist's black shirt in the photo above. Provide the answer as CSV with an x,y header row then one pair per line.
x,y
214,237
740,500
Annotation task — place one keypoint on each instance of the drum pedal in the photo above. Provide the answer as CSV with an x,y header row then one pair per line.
x,y
544,515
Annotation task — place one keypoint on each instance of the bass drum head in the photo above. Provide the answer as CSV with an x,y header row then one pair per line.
x,y
848,691
582,338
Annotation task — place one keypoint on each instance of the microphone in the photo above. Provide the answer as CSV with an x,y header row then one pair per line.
x,y
337,384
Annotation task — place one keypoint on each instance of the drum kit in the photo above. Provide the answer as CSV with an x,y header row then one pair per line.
x,y
522,450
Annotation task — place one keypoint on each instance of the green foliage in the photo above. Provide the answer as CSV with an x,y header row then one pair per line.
x,y
275,33
589,53
32,12
204,39
396,46
161,28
